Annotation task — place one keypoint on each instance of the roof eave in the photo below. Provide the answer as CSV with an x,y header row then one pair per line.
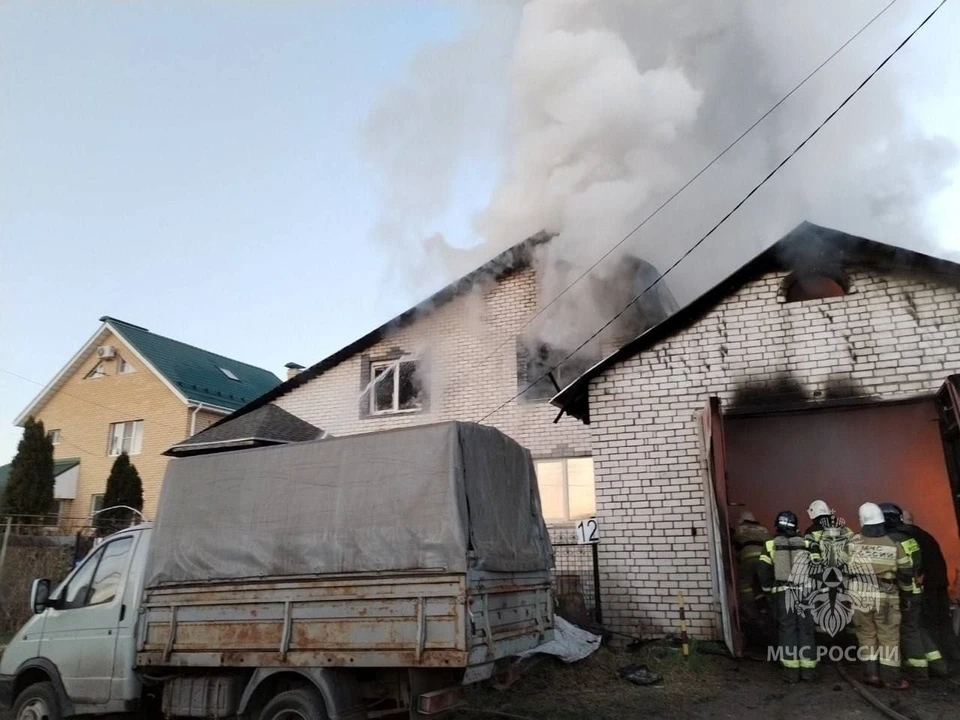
x,y
41,398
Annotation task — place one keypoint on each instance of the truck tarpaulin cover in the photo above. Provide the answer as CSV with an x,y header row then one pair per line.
x,y
445,497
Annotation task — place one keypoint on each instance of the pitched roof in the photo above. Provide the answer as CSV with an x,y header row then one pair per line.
x,y
267,425
59,467
192,374
511,260
198,374
806,247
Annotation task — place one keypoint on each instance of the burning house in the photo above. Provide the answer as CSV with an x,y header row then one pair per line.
x,y
818,370
455,356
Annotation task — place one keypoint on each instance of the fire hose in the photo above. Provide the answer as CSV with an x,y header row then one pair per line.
x,y
870,697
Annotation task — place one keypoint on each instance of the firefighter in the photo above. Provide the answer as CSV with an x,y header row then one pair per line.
x,y
936,596
784,576
920,654
824,519
749,538
881,570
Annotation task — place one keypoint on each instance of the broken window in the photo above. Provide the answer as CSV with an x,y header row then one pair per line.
x,y
536,366
800,287
97,371
396,386
567,489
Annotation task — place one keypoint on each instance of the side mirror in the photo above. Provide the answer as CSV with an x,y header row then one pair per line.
x,y
39,595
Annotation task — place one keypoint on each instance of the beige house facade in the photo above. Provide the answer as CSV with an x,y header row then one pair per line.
x,y
130,390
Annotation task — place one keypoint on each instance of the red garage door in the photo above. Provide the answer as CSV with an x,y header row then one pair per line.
x,y
846,456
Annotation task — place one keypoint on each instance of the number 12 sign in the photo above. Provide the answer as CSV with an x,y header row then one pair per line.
x,y
588,531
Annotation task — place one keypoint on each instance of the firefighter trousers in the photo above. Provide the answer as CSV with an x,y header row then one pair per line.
x,y
796,641
878,636
920,653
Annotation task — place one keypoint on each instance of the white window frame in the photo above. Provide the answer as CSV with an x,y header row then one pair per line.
x,y
124,366
93,504
395,408
54,436
565,488
134,441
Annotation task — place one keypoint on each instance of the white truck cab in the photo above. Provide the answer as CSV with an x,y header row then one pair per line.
x,y
76,654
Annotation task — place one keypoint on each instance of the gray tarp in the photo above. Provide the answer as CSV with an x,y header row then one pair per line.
x,y
435,497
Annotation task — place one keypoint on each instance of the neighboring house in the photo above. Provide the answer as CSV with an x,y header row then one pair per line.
x,y
811,373
128,389
456,356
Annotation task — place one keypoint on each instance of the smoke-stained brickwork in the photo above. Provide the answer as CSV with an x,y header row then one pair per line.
x,y
894,336
462,382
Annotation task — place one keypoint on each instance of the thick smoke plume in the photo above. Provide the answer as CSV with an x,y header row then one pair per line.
x,y
610,105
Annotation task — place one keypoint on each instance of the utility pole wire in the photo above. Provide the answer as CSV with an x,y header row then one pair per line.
x,y
693,179
732,210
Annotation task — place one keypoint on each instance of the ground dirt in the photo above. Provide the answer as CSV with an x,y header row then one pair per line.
x,y
705,686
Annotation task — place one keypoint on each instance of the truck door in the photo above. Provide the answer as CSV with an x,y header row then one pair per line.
x,y
80,632
948,413
714,463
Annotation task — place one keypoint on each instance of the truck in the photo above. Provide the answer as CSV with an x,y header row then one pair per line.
x,y
366,576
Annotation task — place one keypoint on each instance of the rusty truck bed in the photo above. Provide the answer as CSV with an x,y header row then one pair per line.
x,y
371,620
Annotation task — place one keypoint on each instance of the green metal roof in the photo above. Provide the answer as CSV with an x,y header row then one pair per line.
x,y
59,467
196,373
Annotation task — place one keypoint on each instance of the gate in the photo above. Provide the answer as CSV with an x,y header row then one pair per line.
x,y
577,582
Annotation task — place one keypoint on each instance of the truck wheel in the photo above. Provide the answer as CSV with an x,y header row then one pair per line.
x,y
38,702
298,704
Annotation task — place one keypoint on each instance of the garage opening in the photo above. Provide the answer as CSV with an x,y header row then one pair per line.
x,y
882,452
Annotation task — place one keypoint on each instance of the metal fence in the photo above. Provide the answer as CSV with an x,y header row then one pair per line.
x,y
577,582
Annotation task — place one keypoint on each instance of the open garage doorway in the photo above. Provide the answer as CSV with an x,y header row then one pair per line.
x,y
890,452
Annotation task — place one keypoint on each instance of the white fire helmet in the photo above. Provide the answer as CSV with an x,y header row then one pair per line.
x,y
818,508
871,514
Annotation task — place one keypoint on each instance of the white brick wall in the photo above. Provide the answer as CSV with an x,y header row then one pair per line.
x,y
463,385
894,336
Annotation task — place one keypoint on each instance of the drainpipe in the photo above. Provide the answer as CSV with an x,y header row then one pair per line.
x,y
193,418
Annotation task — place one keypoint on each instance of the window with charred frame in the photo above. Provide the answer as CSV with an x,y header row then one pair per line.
x,y
537,361
395,383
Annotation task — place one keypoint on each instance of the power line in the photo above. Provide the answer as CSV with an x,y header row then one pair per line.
x,y
736,207
88,401
693,179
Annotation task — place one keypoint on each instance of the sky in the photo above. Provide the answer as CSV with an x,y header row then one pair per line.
x,y
212,170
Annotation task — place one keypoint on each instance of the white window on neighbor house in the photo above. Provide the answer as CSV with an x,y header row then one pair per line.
x,y
396,386
54,436
567,489
124,367
97,371
96,504
125,437
230,374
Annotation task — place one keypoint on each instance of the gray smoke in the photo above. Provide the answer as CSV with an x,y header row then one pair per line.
x,y
613,104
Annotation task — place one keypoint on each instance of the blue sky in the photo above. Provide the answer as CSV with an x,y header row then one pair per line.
x,y
197,167
192,167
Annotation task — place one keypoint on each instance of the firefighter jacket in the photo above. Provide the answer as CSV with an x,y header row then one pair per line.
x,y
785,563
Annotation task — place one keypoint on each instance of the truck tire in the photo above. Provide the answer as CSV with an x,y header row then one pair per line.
x,y
299,704
38,702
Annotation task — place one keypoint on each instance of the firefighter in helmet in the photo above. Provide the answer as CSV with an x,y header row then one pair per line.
x,y
784,570
749,538
917,648
880,571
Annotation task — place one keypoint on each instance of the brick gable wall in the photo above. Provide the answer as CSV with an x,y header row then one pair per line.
x,y
895,336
